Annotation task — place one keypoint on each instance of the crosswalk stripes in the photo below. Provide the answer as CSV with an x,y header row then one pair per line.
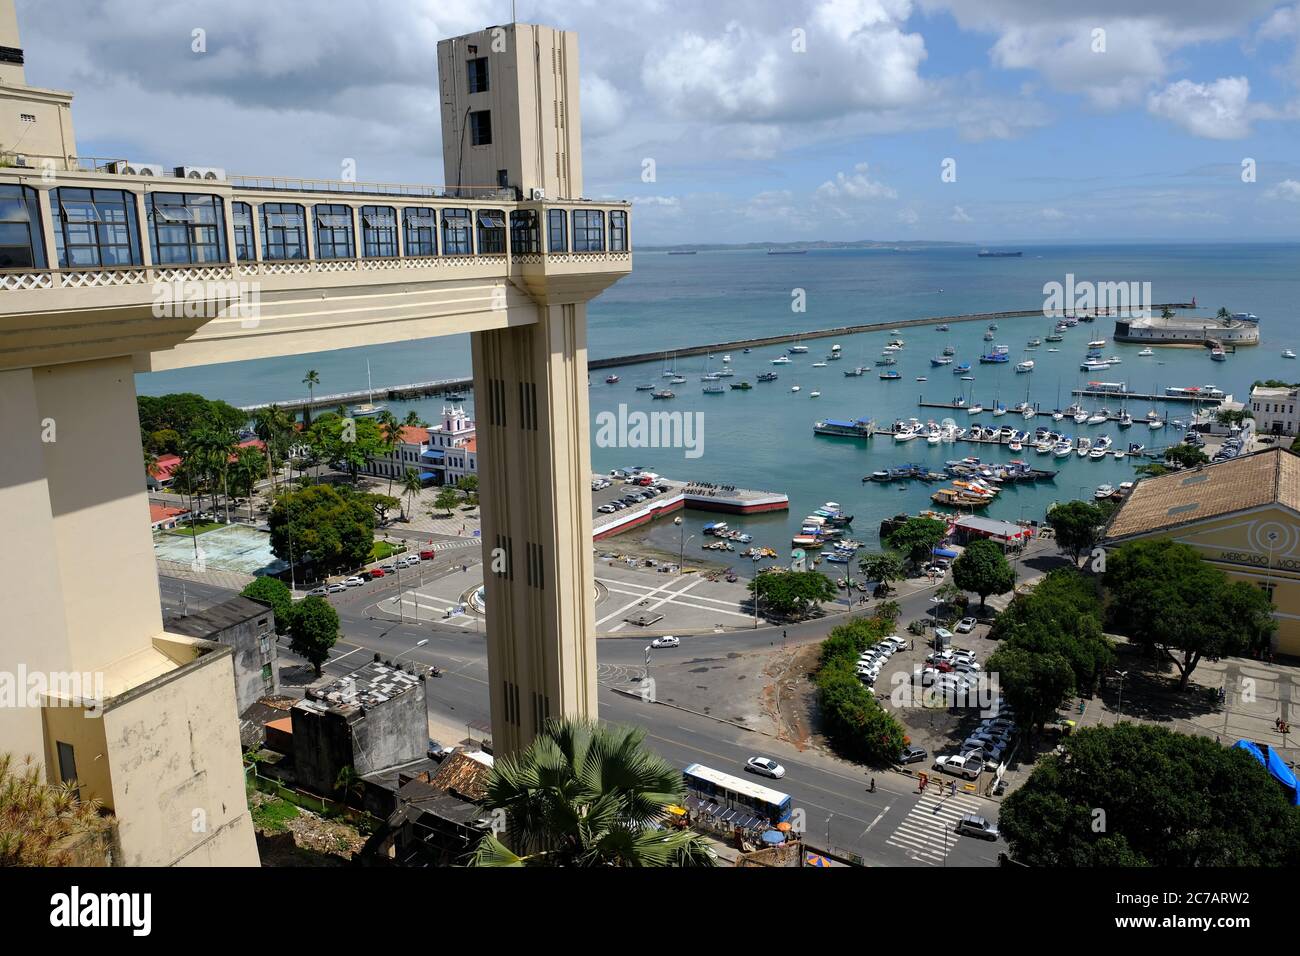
x,y
926,834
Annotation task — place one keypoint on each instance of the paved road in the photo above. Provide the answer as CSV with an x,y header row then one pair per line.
x,y
893,826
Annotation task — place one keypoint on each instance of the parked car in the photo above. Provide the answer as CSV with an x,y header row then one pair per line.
x,y
377,573
912,755
765,766
666,641
975,825
389,568
960,766
966,625
353,582
336,587
410,560
318,592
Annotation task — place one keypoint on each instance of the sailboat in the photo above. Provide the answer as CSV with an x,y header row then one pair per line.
x,y
669,372
368,408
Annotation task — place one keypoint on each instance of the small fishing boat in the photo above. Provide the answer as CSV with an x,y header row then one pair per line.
x,y
663,393
891,375
646,387
1147,351
1288,353
741,386
814,394
714,388
611,379
782,360
1026,366
794,388
767,376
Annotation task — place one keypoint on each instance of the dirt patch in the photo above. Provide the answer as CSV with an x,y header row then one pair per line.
x,y
789,697
301,838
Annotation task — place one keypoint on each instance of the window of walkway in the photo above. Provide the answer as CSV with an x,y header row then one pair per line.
x,y
588,230
491,231
21,243
617,231
378,232
525,236
284,231
241,219
457,239
557,230
334,231
421,231
95,227
186,228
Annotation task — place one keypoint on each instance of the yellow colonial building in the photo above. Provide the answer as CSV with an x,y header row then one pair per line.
x,y
1242,515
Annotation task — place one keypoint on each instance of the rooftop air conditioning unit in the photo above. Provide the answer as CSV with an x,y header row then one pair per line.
x,y
126,168
210,173
537,194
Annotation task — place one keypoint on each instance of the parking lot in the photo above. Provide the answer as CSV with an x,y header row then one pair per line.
x,y
958,728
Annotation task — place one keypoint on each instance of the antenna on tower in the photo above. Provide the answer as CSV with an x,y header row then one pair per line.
x,y
514,15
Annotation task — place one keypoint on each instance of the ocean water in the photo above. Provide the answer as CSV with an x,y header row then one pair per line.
x,y
763,438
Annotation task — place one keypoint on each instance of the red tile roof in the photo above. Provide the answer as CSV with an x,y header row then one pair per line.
x,y
163,512
471,444
415,435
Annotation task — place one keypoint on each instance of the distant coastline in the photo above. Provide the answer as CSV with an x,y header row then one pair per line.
x,y
812,245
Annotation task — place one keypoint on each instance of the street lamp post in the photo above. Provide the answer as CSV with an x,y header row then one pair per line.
x,y
417,644
1119,707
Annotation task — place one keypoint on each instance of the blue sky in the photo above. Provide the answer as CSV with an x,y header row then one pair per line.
x,y
1056,131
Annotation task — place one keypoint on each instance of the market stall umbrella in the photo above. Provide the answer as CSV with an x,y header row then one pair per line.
x,y
816,859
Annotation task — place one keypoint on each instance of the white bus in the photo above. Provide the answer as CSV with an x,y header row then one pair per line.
x,y
737,793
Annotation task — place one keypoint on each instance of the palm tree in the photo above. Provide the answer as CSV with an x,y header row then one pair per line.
x,y
413,420
273,426
1223,313
216,446
391,430
245,472
586,794
311,381
1166,313
39,821
412,485
150,464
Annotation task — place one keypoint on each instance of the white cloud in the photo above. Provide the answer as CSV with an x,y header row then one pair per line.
x,y
1051,214
959,215
857,186
908,217
1218,110
1288,189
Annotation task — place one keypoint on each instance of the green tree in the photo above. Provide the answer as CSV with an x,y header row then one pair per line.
x,y
792,594
1077,526
468,485
854,722
1035,684
446,500
1185,456
411,487
916,538
182,413
247,470
1153,469
348,784
165,441
334,527
1163,595
346,443
889,610
586,794
983,569
390,430
276,593
1170,801
884,567
274,426
413,420
313,630
1061,615
40,823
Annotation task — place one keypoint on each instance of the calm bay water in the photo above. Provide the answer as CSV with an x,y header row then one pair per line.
x,y
763,438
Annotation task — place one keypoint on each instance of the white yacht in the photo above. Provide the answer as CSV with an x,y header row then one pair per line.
x,y
1147,352
1084,446
783,360
1063,448
1288,353
1026,366
1103,491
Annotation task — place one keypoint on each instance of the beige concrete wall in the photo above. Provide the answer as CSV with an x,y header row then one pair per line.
x,y
534,473
33,625
85,732
178,784
100,510
533,97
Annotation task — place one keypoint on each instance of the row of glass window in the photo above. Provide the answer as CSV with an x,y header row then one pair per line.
x,y
98,227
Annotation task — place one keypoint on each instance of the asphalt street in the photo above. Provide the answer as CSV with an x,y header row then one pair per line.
x,y
893,826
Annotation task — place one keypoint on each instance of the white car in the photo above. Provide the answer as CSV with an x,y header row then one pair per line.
x,y
765,766
335,588
410,560
966,625
666,641
960,766
353,582
894,641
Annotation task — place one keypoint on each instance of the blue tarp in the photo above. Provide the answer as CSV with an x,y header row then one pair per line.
x,y
1280,771
945,553
427,476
